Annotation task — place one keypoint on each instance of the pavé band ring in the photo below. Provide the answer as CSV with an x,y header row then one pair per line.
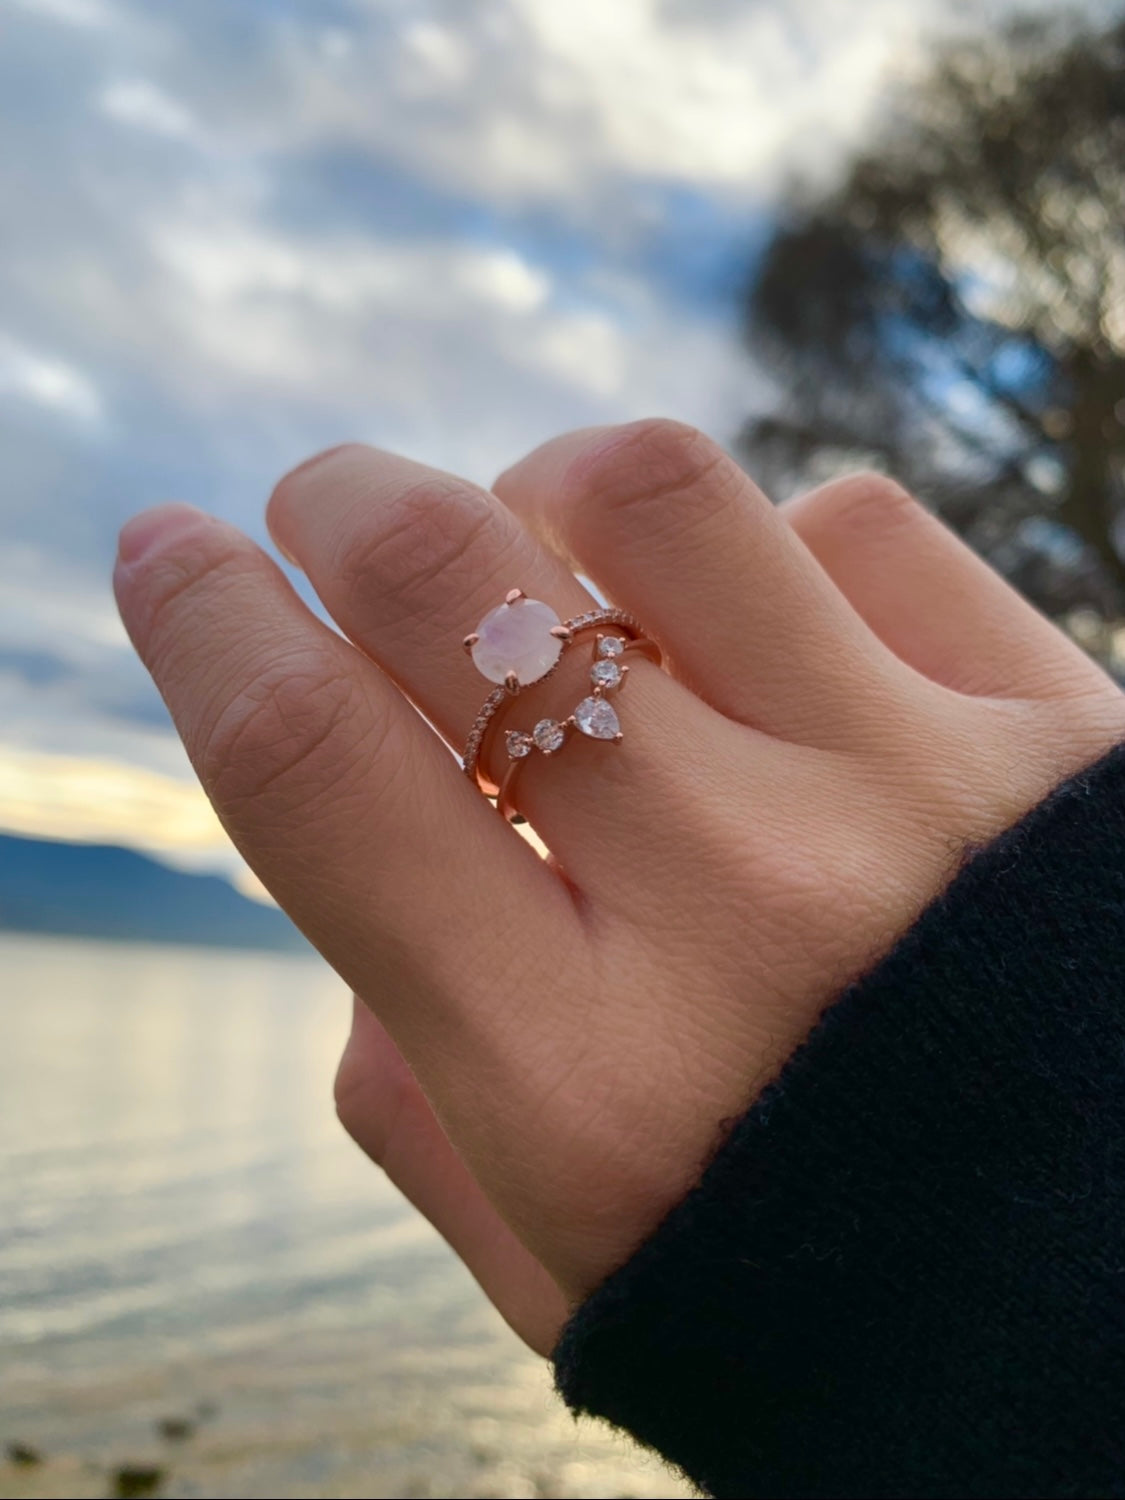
x,y
521,643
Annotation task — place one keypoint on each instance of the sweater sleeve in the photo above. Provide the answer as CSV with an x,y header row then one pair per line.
x,y
903,1274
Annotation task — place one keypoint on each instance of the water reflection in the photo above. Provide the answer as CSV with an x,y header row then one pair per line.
x,y
182,1221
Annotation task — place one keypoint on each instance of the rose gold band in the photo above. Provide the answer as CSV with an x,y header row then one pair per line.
x,y
624,633
505,796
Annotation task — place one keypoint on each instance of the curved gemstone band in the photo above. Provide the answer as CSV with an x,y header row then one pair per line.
x,y
523,642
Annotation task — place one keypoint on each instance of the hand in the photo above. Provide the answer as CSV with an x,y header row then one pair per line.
x,y
854,702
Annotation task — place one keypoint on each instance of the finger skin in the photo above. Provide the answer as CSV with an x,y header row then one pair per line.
x,y
671,528
341,798
928,596
408,560
384,1110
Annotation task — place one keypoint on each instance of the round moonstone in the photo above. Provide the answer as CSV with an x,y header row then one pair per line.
x,y
517,638
606,674
549,735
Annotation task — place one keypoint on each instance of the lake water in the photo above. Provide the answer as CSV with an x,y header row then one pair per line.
x,y
187,1234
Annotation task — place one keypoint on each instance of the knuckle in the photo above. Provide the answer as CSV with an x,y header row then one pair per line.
x,y
1040,742
654,461
426,532
288,730
869,504
377,1105
349,1094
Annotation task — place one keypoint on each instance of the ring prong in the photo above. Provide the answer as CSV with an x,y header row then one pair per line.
x,y
618,737
513,594
561,633
512,683
469,642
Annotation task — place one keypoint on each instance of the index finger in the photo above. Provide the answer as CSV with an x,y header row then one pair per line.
x,y
337,792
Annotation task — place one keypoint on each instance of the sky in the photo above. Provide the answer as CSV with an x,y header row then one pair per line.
x,y
237,231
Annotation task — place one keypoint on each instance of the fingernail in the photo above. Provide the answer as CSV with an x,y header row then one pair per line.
x,y
156,526
316,460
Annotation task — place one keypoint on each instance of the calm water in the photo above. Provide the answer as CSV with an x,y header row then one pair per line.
x,y
186,1232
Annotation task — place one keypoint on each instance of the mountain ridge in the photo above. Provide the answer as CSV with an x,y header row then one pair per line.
x,y
105,891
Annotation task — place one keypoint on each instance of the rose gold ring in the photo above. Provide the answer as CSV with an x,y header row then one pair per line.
x,y
521,643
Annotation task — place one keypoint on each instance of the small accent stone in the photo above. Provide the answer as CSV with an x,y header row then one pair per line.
x,y
517,638
606,674
549,735
518,744
611,645
596,718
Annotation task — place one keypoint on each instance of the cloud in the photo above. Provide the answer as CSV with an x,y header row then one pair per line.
x,y
140,103
86,13
89,801
233,234
46,601
532,99
100,801
47,381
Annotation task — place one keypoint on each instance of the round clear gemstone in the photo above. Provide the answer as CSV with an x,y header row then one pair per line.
x,y
596,717
549,735
610,645
606,674
517,638
518,743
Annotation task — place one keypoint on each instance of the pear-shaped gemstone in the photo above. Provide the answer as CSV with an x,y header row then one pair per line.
x,y
596,717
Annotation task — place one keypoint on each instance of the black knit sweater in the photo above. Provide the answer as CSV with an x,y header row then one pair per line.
x,y
904,1273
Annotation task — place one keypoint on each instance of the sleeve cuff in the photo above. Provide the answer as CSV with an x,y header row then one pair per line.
x,y
904,1272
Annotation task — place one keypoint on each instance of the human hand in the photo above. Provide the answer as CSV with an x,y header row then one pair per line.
x,y
545,1052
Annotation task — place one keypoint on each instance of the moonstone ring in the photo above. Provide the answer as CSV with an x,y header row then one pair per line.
x,y
522,642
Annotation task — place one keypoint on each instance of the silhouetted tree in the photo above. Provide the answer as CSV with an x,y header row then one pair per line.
x,y
955,311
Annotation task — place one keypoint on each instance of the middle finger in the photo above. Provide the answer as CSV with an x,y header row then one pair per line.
x,y
408,560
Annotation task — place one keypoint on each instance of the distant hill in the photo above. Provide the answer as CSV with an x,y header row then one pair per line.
x,y
89,890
